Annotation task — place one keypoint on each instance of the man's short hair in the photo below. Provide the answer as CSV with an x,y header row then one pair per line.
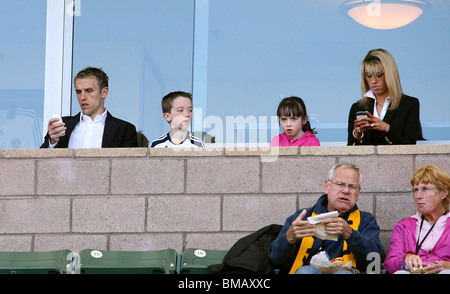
x,y
98,73
343,165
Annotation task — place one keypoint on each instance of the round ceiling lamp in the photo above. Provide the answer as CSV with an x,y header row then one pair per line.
x,y
384,14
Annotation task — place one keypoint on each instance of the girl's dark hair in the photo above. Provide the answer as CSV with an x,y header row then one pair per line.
x,y
295,107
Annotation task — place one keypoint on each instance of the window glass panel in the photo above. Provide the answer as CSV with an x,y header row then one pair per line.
x,y
22,70
263,50
145,47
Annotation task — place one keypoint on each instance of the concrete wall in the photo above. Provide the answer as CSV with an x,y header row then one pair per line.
x,y
144,199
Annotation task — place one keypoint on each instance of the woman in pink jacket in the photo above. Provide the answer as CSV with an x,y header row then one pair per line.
x,y
421,243
294,121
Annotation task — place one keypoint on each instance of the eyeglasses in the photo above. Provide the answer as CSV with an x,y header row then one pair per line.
x,y
423,190
342,186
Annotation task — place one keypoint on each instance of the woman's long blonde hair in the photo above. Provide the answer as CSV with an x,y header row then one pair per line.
x,y
382,58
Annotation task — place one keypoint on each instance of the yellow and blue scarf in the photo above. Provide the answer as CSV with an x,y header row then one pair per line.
x,y
354,219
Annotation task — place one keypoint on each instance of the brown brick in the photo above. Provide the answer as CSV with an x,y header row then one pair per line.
x,y
43,215
147,176
143,242
393,208
16,177
249,213
299,174
73,177
185,213
108,214
222,175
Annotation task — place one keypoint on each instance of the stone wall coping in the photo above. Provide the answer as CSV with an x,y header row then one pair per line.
x,y
226,151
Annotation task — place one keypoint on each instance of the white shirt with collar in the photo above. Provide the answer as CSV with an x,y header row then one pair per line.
x,y
370,94
88,133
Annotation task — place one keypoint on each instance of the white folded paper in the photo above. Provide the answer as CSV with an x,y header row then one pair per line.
x,y
319,230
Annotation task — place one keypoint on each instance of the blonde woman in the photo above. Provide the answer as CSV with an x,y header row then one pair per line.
x,y
391,116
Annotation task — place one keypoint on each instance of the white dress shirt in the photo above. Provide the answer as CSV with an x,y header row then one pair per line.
x,y
370,94
88,133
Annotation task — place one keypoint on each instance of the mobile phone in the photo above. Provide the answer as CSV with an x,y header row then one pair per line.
x,y
361,114
59,121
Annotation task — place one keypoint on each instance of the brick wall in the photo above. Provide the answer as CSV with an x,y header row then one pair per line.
x,y
145,199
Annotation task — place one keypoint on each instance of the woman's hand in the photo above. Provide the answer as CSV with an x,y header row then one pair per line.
x,y
437,266
369,123
377,124
413,261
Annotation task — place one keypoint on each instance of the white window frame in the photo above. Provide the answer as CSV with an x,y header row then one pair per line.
x,y
58,58
200,63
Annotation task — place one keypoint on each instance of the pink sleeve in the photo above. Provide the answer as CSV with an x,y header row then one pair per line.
x,y
275,141
316,142
397,249
312,141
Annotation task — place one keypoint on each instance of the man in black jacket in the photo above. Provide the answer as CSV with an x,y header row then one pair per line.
x,y
94,126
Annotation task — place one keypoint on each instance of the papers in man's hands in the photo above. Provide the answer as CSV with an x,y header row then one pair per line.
x,y
320,217
319,230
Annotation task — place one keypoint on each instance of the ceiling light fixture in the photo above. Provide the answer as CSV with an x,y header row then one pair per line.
x,y
384,14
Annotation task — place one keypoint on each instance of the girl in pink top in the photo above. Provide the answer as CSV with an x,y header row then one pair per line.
x,y
293,120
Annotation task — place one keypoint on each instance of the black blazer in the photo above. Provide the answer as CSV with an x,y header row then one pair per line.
x,y
117,133
405,127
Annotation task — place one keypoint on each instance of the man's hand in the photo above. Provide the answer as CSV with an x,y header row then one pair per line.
x,y
337,226
55,130
299,229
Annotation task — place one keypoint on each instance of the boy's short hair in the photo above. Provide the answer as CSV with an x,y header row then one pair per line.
x,y
98,73
166,103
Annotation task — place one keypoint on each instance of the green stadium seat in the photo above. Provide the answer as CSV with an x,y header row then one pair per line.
x,y
128,262
196,261
48,262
